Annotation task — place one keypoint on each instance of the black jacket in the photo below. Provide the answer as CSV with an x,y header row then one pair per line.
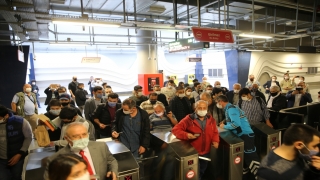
x,y
145,125
268,85
261,95
177,107
102,113
162,98
230,96
278,103
48,92
81,97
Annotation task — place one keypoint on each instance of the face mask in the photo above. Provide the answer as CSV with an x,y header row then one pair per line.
x,y
300,81
75,79
158,92
245,98
202,113
86,176
160,114
209,91
65,104
286,77
80,144
60,94
236,91
126,112
153,101
33,83
218,86
99,96
169,86
251,79
140,93
307,157
112,104
28,89
181,95
188,93
273,94
204,81
55,112
219,106
254,89
273,80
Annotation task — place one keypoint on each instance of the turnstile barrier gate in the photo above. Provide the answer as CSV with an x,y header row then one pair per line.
x,y
266,139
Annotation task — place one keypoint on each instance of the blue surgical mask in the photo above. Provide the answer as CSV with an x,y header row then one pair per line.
x,y
112,104
307,157
99,96
55,112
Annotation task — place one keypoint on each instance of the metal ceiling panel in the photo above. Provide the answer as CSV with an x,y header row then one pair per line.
x,y
245,5
24,1
41,5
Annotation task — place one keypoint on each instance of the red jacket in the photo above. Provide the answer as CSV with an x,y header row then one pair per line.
x,y
202,143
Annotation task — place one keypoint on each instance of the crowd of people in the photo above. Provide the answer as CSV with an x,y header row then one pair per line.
x,y
192,112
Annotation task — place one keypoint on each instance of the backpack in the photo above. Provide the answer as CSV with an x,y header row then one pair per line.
x,y
257,98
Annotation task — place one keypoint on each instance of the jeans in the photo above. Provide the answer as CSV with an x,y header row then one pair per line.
x,y
203,165
10,172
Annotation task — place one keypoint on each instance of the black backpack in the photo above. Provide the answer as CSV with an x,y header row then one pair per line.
x,y
257,98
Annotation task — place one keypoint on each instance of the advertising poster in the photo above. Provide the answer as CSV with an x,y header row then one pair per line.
x,y
191,77
152,81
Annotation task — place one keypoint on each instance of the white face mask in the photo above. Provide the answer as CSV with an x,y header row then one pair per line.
x,y
208,91
286,77
160,114
28,89
202,113
204,81
169,86
219,106
273,79
218,86
188,93
86,176
245,98
158,92
80,144
126,112
33,83
181,95
300,81
140,93
236,91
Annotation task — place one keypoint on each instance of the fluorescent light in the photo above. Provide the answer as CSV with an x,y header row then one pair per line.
x,y
85,23
255,50
68,44
255,36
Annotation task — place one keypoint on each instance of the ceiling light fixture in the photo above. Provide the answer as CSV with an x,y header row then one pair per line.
x,y
255,36
85,23
67,44
255,50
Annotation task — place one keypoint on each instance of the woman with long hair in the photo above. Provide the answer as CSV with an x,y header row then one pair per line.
x,y
68,167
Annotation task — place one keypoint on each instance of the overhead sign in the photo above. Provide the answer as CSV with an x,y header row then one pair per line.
x,y
20,56
186,45
195,59
212,35
91,60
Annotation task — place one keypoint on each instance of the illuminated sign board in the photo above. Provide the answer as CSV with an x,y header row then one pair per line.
x,y
186,45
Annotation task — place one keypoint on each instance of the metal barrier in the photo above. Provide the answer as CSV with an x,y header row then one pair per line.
x,y
265,139
183,158
228,161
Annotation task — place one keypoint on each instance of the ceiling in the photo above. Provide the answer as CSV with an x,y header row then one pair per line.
x,y
31,21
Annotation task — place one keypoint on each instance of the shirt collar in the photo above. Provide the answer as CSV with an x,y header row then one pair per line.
x,y
197,117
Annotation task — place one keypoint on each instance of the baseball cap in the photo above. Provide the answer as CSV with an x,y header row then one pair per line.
x,y
65,96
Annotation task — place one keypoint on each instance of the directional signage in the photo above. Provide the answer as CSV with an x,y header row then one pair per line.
x,y
212,35
187,44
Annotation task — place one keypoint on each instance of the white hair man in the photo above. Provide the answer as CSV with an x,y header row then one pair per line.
x,y
233,95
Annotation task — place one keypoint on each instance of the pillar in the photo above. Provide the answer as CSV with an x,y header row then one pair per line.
x,y
147,64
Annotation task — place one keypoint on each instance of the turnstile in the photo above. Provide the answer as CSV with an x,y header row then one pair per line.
x,y
128,167
266,139
229,156
184,156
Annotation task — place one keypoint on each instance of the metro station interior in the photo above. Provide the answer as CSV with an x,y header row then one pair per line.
x,y
131,48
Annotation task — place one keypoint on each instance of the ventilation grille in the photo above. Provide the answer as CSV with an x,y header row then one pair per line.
x,y
312,70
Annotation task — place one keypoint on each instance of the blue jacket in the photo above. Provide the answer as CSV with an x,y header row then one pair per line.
x,y
236,120
306,98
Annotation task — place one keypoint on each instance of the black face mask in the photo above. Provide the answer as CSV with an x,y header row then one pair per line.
x,y
75,79
65,104
251,79
274,94
153,101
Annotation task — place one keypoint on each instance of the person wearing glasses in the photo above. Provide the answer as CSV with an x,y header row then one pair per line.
x,y
97,155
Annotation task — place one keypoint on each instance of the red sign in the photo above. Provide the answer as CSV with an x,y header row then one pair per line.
x,y
212,35
190,174
237,160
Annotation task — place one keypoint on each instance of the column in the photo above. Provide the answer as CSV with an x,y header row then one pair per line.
x,y
146,63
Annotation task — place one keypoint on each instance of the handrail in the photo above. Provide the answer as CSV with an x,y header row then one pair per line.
x,y
310,104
